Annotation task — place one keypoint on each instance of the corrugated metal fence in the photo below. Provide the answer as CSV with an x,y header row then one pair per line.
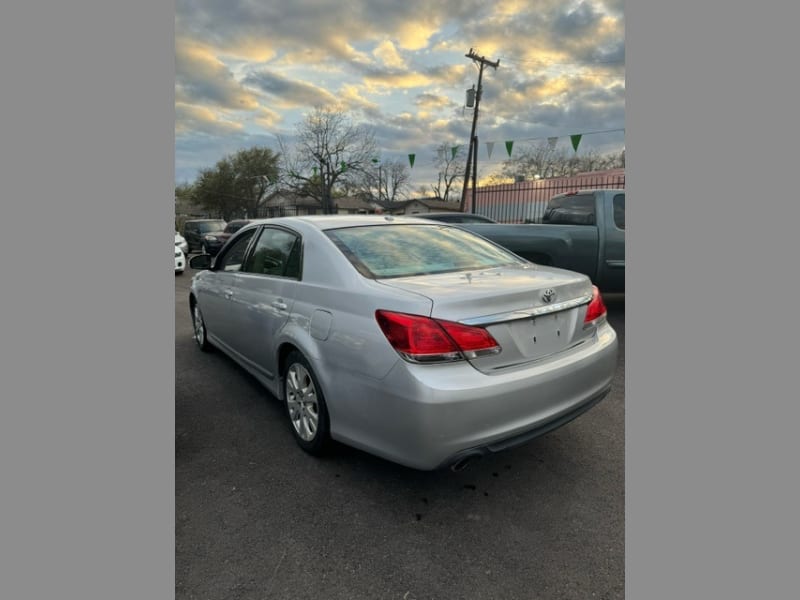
x,y
525,201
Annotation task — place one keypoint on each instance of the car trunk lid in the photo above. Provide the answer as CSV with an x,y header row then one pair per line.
x,y
532,312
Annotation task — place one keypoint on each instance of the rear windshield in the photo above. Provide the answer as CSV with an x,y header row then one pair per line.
x,y
235,226
383,251
207,226
459,218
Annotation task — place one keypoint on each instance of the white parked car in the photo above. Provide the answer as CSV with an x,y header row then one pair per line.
x,y
180,261
180,242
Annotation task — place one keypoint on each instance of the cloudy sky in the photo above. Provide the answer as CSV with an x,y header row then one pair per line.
x,y
247,71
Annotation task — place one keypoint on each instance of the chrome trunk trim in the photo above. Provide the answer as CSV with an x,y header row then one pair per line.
x,y
528,313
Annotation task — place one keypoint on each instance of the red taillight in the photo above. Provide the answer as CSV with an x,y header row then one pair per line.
x,y
596,307
422,339
469,339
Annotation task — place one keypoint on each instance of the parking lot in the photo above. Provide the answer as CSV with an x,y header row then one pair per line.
x,y
258,518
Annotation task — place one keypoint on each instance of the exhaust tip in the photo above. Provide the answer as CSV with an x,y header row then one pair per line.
x,y
463,462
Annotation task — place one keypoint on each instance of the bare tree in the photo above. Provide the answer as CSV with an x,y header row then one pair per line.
x,y
386,181
545,161
383,181
329,149
449,162
396,179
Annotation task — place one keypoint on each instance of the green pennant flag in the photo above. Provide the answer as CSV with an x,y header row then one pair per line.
x,y
344,166
376,160
509,146
315,171
411,158
576,139
453,151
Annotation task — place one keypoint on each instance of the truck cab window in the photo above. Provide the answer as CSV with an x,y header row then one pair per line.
x,y
571,210
619,211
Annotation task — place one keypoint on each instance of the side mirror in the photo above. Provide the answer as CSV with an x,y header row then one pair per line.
x,y
201,262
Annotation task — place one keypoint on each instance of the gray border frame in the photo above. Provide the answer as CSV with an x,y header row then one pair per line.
x,y
87,318
711,471
87,421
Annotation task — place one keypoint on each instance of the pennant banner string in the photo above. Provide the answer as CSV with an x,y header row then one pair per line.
x,y
576,139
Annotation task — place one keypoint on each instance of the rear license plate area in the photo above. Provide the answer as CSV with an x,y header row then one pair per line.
x,y
543,335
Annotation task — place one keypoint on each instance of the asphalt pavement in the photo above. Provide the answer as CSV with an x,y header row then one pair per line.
x,y
256,517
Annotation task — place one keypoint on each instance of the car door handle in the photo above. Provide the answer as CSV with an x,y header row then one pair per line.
x,y
280,305
228,294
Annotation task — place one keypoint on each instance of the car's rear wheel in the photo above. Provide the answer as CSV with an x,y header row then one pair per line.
x,y
200,333
305,405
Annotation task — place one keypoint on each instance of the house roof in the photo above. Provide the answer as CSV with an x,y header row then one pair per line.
x,y
430,203
290,199
352,203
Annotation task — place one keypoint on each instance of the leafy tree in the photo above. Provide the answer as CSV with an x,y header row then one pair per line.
x,y
183,192
329,150
255,175
214,190
238,184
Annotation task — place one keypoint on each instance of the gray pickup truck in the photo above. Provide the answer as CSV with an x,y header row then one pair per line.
x,y
581,231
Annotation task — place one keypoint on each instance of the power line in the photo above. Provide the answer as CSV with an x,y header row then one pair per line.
x,y
545,63
546,137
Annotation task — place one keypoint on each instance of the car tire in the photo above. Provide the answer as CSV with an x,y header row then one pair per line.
x,y
305,405
200,331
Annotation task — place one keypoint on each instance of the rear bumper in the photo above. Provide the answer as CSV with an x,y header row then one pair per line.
x,y
431,416
523,438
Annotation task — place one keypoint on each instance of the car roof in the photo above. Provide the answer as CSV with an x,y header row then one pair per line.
x,y
324,222
443,213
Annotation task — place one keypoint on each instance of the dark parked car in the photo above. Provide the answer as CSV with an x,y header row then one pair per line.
x,y
212,242
455,217
195,230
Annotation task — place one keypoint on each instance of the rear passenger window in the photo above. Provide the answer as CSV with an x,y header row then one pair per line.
x,y
276,253
619,211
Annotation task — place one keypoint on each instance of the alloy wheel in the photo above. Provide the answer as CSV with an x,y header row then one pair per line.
x,y
301,399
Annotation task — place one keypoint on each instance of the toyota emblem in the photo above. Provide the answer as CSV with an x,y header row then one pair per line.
x,y
549,295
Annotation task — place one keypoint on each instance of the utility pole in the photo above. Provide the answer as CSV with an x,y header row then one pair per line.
x,y
473,143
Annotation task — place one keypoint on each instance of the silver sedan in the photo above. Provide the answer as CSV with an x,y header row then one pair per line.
x,y
415,341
